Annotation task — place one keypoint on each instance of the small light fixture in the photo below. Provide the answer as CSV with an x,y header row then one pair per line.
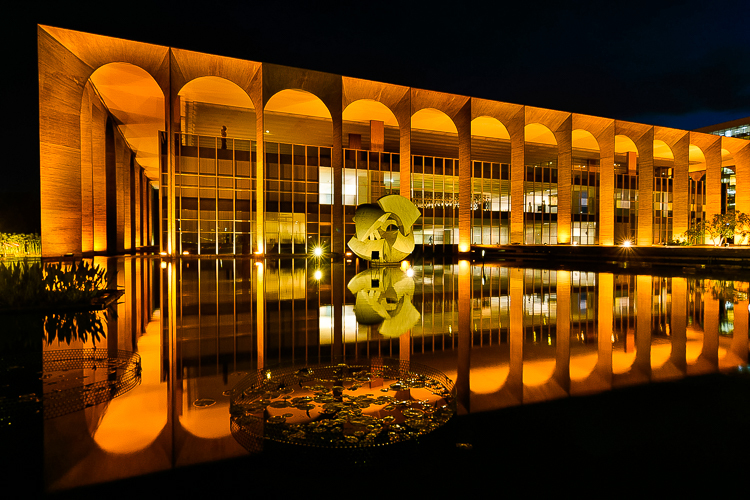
x,y
410,272
163,254
318,274
185,253
317,251
626,243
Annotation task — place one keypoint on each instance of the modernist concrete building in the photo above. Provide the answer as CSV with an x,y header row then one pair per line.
x,y
144,145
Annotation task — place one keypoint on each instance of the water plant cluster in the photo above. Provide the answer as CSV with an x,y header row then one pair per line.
x,y
344,411
20,245
25,285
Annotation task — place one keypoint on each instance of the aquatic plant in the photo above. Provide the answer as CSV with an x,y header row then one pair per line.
x,y
20,245
33,285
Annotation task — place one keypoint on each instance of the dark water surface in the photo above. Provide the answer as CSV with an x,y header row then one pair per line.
x,y
190,330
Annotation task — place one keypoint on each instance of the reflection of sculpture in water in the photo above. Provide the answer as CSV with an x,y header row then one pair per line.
x,y
384,230
384,296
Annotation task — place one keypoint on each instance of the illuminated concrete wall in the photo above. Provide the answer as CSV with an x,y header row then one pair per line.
x,y
74,204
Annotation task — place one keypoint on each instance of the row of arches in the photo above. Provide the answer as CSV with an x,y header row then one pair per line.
x,y
162,90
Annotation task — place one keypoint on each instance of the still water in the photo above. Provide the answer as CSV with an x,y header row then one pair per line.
x,y
505,335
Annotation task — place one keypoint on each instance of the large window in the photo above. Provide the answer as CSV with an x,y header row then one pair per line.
x,y
434,184
540,199
626,201
585,201
662,228
490,203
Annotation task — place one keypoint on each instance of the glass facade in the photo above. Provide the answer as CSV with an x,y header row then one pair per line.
x,y
215,203
585,201
490,203
662,227
626,202
434,188
540,195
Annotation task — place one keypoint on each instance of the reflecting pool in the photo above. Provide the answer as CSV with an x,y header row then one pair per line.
x,y
505,336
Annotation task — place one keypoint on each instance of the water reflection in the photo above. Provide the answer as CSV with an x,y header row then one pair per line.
x,y
505,335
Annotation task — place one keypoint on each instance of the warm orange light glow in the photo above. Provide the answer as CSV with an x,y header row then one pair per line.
x,y
463,247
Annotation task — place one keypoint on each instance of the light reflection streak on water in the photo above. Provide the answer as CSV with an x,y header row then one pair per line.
x,y
528,335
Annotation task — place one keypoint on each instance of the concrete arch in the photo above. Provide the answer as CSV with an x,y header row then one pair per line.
x,y
696,158
283,110
624,144
369,109
369,118
487,126
583,139
539,134
118,161
217,97
433,120
662,150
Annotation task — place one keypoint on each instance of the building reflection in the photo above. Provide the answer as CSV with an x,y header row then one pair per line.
x,y
506,335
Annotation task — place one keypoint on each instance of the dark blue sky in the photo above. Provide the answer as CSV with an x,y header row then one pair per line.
x,y
677,64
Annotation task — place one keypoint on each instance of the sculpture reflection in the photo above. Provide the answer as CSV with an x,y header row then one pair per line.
x,y
384,297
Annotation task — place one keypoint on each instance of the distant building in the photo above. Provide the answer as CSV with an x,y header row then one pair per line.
x,y
133,156
736,128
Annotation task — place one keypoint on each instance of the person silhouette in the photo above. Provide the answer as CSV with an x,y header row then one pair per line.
x,y
223,137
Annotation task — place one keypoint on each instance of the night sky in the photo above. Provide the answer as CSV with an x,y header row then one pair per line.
x,y
676,64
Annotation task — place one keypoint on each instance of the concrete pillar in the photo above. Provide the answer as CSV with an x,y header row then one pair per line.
x,y
605,327
517,175
260,315
678,320
680,186
515,372
87,181
642,364
646,188
562,336
742,174
463,390
463,124
710,352
564,138
606,217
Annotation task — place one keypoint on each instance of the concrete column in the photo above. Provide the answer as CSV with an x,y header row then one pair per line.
x,y
680,186
260,315
562,343
464,336
404,125
678,321
713,179
605,327
564,138
87,181
606,216
646,188
742,171
515,372
463,124
517,175
260,180
642,363
739,346
710,352
62,77
338,244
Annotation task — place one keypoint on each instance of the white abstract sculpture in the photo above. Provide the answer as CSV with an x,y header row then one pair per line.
x,y
384,229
